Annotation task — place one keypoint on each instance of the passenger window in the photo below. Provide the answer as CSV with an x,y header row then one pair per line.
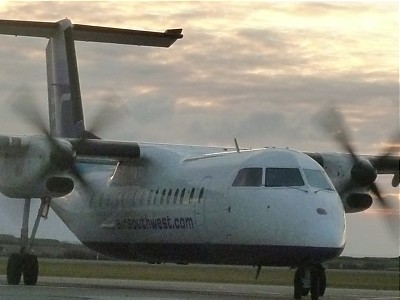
x,y
276,177
317,179
150,197
162,197
182,196
176,196
201,194
248,177
155,197
169,196
142,197
125,200
112,199
191,195
121,200
102,200
132,200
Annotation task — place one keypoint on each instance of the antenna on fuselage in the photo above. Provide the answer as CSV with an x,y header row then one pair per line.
x,y
236,145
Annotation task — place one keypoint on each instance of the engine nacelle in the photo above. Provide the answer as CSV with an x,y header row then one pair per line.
x,y
357,202
30,167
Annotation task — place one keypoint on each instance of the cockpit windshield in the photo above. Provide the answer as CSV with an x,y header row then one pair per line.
x,y
277,177
281,177
317,179
248,177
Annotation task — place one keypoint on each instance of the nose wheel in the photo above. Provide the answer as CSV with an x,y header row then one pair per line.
x,y
24,264
310,280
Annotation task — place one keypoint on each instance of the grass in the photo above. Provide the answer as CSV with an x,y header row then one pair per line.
x,y
380,280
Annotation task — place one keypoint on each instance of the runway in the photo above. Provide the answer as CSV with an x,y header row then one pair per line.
x,y
55,288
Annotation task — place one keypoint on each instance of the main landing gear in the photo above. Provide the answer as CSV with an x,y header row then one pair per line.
x,y
24,264
310,280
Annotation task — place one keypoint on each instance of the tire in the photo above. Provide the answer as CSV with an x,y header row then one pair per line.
x,y
30,269
298,285
314,289
14,269
322,280
305,291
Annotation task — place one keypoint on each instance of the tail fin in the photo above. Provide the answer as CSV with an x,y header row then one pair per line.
x,y
64,96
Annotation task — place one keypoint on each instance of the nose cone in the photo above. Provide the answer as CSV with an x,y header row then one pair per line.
x,y
327,223
327,227
318,227
328,233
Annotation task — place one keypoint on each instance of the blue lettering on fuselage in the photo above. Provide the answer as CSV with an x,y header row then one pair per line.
x,y
162,223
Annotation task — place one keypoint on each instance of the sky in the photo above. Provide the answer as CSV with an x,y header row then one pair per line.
x,y
258,71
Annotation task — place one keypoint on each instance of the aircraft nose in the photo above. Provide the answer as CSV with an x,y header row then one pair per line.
x,y
330,226
332,235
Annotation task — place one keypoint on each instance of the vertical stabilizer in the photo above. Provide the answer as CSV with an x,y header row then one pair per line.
x,y
65,104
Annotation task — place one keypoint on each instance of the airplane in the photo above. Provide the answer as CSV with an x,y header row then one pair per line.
x,y
166,203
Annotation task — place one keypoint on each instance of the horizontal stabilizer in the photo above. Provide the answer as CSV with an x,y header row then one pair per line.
x,y
92,33
126,36
28,28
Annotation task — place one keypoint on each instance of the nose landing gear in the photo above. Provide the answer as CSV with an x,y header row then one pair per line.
x,y
310,279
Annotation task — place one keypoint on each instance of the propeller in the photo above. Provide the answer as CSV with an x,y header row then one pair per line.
x,y
62,154
363,172
62,151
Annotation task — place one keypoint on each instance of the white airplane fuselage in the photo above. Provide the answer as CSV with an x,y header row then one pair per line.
x,y
178,204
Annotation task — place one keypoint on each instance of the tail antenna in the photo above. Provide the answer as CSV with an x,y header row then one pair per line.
x,y
236,145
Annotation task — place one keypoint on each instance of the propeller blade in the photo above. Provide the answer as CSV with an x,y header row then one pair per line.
x,y
334,124
376,191
109,113
102,120
393,147
23,104
392,222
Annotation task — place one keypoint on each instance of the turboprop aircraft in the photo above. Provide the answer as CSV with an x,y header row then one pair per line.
x,y
174,203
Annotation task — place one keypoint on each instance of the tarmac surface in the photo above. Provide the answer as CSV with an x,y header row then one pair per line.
x,y
55,288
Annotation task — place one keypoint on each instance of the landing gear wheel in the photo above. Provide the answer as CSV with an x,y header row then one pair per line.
x,y
14,269
297,284
314,288
305,291
301,283
309,280
318,282
22,264
30,269
322,280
